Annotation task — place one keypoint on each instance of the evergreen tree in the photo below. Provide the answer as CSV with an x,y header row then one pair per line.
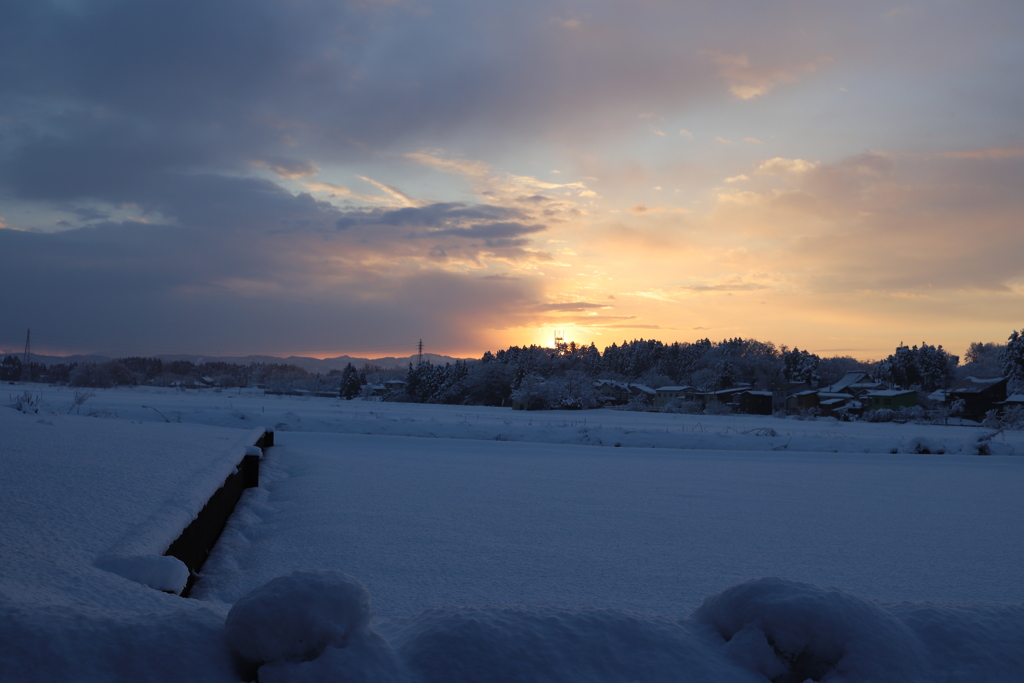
x,y
350,386
801,366
10,369
1013,358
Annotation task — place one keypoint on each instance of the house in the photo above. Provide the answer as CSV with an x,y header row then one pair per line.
x,y
847,380
725,396
802,400
978,395
854,383
612,393
893,399
1016,402
374,390
642,392
834,404
666,395
756,402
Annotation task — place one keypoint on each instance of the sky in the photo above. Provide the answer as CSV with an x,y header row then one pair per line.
x,y
320,177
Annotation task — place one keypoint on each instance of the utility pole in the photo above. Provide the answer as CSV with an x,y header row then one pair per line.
x,y
26,372
559,342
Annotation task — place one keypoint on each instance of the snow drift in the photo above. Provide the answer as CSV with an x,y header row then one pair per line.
x,y
315,626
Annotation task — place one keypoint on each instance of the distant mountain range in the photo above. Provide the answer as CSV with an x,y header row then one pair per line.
x,y
314,365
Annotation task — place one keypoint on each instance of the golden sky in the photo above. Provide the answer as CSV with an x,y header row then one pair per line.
x,y
326,178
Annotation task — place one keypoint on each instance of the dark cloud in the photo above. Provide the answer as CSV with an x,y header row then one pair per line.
x,y
438,215
453,229
87,213
496,235
129,288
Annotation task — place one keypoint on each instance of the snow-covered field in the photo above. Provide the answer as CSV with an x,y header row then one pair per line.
x,y
501,545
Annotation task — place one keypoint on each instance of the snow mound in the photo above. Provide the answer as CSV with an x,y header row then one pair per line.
x,y
162,572
308,626
790,632
552,645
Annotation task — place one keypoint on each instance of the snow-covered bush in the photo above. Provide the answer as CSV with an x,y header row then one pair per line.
x,y
879,415
27,402
1013,417
638,402
790,631
911,414
310,625
992,420
923,446
716,408
682,407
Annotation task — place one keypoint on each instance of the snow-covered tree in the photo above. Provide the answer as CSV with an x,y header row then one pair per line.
x,y
801,366
1013,358
930,367
350,386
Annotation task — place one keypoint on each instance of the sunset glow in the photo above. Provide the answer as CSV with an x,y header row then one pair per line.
x,y
326,178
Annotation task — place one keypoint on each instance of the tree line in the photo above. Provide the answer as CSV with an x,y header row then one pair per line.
x,y
563,376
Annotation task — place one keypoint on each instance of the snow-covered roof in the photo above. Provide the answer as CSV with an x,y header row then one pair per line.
x,y
846,380
970,385
891,392
673,388
643,388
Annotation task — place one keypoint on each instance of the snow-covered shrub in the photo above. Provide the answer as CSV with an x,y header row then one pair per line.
x,y
682,407
845,414
297,615
923,446
939,415
716,408
638,403
911,414
957,407
79,400
992,420
309,625
879,415
1013,417
790,631
27,402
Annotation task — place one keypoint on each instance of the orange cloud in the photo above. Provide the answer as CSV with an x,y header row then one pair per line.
x,y
747,81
